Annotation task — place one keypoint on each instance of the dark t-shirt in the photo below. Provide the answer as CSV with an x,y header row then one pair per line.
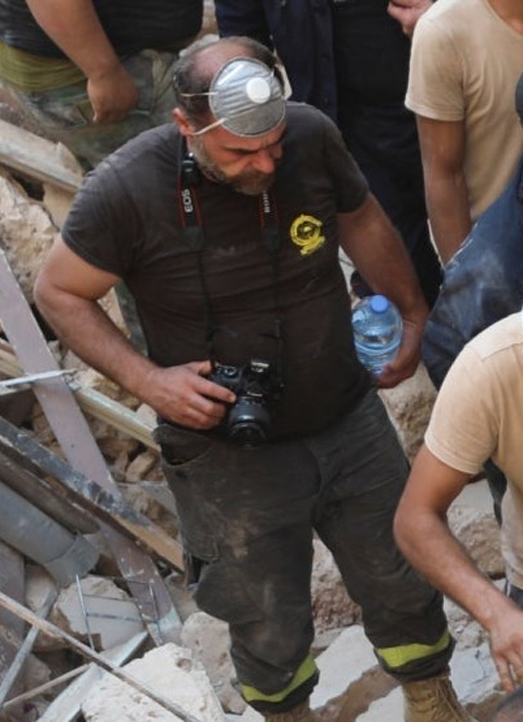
x,y
126,220
131,25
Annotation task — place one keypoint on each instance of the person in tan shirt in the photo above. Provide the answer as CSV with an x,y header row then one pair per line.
x,y
477,415
466,58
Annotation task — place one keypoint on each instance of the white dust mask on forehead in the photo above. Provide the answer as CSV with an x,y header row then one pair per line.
x,y
246,98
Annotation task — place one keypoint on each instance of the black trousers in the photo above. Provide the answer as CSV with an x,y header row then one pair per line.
x,y
247,518
372,64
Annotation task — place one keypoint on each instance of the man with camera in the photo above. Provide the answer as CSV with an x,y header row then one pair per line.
x,y
226,227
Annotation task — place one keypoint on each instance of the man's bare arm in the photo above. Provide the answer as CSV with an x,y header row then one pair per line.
x,y
422,534
66,292
74,26
408,12
442,146
377,251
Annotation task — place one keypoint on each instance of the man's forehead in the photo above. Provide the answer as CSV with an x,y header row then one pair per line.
x,y
230,141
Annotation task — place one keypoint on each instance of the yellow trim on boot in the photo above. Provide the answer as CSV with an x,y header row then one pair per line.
x,y
396,657
305,671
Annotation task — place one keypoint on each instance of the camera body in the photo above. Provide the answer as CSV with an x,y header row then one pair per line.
x,y
257,387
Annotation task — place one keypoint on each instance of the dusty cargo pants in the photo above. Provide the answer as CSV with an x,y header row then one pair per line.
x,y
247,519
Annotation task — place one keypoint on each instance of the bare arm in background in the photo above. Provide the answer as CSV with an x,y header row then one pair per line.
x,y
74,26
442,146
424,537
408,12
376,249
66,292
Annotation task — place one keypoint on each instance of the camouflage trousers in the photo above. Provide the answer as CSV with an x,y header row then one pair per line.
x,y
65,115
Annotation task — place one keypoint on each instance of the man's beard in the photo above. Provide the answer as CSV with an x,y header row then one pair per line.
x,y
251,183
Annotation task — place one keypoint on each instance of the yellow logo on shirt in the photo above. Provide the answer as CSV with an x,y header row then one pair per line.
x,y
307,233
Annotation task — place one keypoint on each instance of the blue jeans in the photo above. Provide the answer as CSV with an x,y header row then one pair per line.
x,y
483,283
248,517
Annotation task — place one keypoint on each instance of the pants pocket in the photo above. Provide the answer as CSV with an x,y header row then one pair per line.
x,y
185,463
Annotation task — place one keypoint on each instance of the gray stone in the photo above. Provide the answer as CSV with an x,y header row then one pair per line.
x,y
171,672
208,639
332,607
479,533
409,406
111,615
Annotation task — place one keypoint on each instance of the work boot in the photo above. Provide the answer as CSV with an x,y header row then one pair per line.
x,y
433,700
300,713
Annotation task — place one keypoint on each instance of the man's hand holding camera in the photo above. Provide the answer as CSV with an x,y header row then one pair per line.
x,y
184,395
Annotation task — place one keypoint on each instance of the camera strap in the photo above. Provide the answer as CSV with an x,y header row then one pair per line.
x,y
194,237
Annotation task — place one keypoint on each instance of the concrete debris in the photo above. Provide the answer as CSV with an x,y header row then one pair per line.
x,y
343,664
208,639
332,607
478,531
171,672
103,610
26,230
57,202
409,406
38,586
36,672
142,466
468,633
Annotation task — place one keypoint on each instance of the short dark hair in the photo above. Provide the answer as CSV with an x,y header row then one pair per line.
x,y
511,709
192,79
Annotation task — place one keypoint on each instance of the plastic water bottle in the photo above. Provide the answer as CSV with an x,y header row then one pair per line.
x,y
378,329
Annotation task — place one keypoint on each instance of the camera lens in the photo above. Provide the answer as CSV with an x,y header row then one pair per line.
x,y
248,422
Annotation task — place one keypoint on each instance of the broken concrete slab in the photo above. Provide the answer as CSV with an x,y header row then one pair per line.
x,y
38,586
66,707
100,609
474,674
173,673
26,230
208,639
466,631
57,202
38,158
409,406
348,658
479,532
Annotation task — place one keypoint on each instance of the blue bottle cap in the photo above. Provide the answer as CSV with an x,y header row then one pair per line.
x,y
379,304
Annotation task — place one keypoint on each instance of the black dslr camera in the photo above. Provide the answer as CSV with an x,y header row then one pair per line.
x,y
257,387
